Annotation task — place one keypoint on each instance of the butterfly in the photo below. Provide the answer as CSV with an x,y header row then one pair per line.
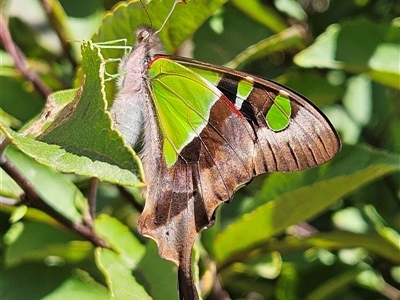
x,y
206,131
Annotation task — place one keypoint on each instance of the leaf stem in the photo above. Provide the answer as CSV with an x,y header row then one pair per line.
x,y
93,185
58,20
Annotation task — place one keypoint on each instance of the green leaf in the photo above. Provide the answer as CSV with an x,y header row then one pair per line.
x,y
77,132
337,240
285,40
262,13
9,188
356,46
9,120
50,244
292,8
120,239
12,87
333,285
313,86
48,184
38,281
122,285
159,275
358,99
79,286
55,104
299,201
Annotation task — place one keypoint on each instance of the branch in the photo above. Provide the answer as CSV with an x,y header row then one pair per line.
x,y
32,199
58,20
20,61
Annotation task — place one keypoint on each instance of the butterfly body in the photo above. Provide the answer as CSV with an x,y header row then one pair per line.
x,y
207,130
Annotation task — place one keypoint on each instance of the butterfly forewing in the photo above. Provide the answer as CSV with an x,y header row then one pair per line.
x,y
307,141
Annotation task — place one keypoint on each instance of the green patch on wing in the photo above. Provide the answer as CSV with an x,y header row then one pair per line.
x,y
183,101
278,116
244,88
211,76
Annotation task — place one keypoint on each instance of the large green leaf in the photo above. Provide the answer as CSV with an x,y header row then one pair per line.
x,y
73,134
303,197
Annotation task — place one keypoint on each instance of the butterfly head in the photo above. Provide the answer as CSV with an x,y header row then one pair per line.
x,y
147,37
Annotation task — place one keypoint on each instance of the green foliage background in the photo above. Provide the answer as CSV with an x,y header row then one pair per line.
x,y
325,233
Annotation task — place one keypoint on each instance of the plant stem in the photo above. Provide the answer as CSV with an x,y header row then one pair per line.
x,y
20,61
32,199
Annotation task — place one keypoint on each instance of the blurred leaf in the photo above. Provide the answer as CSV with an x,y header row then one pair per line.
x,y
334,285
79,287
18,213
13,87
354,167
9,120
51,244
337,240
292,8
9,188
356,46
358,99
120,239
122,285
26,37
313,86
262,13
36,281
48,184
157,275
286,39
350,219
233,38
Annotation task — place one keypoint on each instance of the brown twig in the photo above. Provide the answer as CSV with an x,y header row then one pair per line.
x,y
20,61
57,19
32,199
93,184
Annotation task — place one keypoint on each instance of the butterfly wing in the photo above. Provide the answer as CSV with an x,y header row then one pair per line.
x,y
308,140
215,137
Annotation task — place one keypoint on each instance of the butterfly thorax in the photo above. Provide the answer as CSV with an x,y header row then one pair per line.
x,y
129,105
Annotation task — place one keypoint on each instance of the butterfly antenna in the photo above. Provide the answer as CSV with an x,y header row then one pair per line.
x,y
147,13
170,13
